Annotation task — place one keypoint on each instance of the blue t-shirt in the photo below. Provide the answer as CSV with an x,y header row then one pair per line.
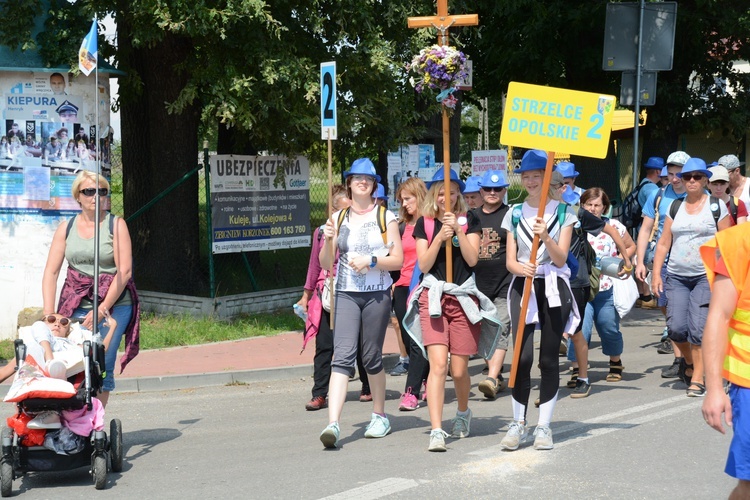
x,y
648,208
646,191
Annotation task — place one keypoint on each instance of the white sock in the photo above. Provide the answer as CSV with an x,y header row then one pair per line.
x,y
463,413
403,360
519,410
545,411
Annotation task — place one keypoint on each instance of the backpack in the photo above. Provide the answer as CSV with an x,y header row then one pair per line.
x,y
111,225
713,200
733,207
630,213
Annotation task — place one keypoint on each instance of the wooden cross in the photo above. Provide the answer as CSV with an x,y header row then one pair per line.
x,y
442,22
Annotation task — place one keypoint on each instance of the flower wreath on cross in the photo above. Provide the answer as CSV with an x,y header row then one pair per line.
x,y
439,68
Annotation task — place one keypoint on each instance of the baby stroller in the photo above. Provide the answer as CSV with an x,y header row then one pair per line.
x,y
100,452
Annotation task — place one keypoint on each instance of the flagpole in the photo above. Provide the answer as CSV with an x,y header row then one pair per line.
x,y
98,201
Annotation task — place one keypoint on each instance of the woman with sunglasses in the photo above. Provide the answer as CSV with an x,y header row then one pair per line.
x,y
696,220
74,241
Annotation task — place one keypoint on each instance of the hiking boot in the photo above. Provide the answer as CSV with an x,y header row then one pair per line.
x,y
514,437
402,368
408,401
330,435
582,389
461,426
489,387
573,378
665,347
543,438
672,371
379,427
437,440
317,403
651,304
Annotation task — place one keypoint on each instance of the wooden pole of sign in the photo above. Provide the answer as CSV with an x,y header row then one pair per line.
x,y
442,21
330,213
529,281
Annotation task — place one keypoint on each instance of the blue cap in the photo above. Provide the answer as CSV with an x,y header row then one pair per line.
x,y
533,159
494,178
380,193
362,166
440,176
664,172
570,197
654,162
695,165
567,169
472,184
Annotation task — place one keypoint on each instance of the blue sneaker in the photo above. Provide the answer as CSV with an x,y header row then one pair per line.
x,y
330,435
379,427
402,368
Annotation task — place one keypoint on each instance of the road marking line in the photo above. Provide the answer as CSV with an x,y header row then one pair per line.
x,y
378,489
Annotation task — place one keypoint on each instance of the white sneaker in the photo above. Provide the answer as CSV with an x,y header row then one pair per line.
x,y
45,420
514,437
543,438
437,440
56,369
461,426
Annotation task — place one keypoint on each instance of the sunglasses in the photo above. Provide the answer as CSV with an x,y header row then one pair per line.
x,y
52,319
690,177
92,191
493,189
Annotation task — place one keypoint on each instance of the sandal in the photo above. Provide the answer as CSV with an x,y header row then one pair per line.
x,y
615,371
681,372
696,393
573,379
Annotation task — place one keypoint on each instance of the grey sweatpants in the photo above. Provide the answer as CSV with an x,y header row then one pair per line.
x,y
360,321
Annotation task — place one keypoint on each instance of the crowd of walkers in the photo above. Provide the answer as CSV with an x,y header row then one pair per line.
x,y
453,268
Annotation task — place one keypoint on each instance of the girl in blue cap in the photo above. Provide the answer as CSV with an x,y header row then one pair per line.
x,y
362,295
551,304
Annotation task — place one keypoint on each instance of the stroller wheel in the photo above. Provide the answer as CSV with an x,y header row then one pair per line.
x,y
6,478
99,471
115,444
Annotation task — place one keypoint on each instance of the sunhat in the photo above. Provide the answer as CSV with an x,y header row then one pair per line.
x,y
533,159
694,165
664,172
494,178
571,197
730,162
362,166
380,193
567,169
440,176
472,184
678,158
719,173
655,162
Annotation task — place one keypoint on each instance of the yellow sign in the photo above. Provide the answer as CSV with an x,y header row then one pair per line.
x,y
553,119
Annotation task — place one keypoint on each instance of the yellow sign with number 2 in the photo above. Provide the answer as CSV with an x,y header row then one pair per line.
x,y
560,120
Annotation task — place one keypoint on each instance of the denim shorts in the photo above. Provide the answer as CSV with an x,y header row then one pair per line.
x,y
687,307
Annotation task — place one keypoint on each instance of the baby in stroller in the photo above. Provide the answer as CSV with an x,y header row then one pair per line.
x,y
59,424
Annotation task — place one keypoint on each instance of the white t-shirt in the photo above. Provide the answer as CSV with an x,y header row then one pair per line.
x,y
525,235
745,194
362,237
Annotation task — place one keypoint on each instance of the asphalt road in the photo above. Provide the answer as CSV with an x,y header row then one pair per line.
x,y
639,438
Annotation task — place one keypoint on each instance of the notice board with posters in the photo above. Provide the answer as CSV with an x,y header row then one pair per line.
x,y
48,133
259,203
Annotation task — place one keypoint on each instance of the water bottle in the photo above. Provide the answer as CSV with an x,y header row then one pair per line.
x,y
300,311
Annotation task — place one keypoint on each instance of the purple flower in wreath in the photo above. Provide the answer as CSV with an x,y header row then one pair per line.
x,y
438,68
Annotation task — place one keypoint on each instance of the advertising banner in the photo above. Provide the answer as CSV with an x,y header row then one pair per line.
x,y
259,203
482,161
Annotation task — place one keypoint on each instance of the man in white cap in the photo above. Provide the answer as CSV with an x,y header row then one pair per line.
x,y
654,213
739,186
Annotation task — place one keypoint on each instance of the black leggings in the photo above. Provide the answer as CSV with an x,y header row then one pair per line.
x,y
551,322
418,365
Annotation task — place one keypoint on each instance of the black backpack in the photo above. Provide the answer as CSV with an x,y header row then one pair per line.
x,y
714,202
631,211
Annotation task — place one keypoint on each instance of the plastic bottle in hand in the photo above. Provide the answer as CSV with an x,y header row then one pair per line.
x,y
300,311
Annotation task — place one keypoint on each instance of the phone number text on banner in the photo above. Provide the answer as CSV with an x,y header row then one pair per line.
x,y
259,203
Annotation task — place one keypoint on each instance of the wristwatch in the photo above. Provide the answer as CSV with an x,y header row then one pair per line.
x,y
373,261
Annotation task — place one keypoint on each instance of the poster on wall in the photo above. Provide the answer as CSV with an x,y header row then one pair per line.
x,y
396,176
482,161
259,203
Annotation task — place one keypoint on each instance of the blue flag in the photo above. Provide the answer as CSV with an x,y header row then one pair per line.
x,y
88,51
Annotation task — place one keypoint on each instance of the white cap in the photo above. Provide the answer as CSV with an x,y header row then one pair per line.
x,y
678,158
